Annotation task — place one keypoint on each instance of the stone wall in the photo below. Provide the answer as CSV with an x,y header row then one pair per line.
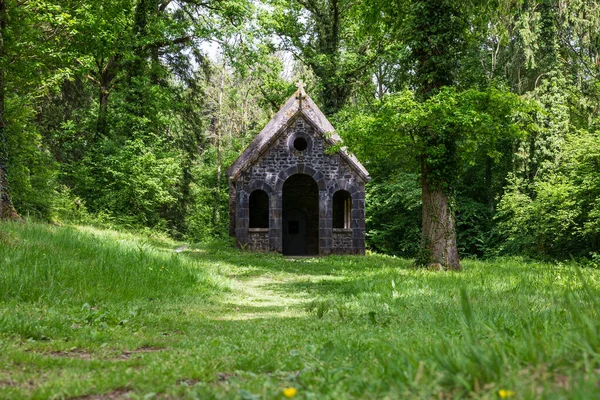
x,y
342,241
258,239
331,172
282,156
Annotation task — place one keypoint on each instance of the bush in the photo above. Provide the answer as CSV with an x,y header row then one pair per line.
x,y
559,214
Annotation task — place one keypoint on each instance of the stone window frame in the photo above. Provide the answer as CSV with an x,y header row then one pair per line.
x,y
309,143
242,213
357,197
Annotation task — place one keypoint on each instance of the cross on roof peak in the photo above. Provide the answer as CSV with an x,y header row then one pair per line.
x,y
301,93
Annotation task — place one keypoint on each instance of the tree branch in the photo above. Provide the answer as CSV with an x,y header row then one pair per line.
x,y
171,42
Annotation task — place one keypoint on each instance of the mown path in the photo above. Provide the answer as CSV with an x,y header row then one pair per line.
x,y
257,297
264,295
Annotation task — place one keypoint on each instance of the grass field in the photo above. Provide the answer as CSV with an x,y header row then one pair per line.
x,y
94,314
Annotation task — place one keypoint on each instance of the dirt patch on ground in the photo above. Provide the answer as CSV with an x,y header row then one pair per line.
x,y
187,382
127,354
86,355
29,384
117,394
224,377
79,354
6,383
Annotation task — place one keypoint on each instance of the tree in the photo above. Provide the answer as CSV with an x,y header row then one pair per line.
x,y
441,122
435,32
327,37
30,34
7,210
462,122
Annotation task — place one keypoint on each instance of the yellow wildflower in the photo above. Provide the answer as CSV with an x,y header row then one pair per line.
x,y
289,392
504,394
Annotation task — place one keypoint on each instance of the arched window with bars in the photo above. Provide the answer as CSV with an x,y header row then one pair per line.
x,y
342,207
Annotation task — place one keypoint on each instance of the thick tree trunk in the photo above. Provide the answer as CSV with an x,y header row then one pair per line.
x,y
154,52
7,210
439,228
435,45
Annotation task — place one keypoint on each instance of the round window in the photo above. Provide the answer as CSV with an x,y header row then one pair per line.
x,y
300,144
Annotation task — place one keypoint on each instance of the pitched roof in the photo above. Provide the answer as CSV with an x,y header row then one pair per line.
x,y
284,117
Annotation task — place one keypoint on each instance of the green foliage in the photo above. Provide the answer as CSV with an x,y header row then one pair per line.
x,y
116,114
475,228
394,215
32,170
30,68
558,215
449,133
138,180
447,129
201,222
69,208
339,50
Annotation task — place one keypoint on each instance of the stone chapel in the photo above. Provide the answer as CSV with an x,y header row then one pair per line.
x,y
287,194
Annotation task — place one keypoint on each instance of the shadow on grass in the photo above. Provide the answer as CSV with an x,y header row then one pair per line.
x,y
253,264
494,287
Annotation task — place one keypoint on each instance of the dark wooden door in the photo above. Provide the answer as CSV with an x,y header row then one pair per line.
x,y
295,232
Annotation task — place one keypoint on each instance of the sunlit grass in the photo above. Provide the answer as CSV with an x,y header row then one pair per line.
x,y
86,311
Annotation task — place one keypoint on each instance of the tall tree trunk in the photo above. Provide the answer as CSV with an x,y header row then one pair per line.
x,y
155,64
102,111
436,43
439,228
218,129
488,180
105,74
137,66
7,210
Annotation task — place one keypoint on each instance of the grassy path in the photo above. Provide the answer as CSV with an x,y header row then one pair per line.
x,y
91,314
269,294
255,297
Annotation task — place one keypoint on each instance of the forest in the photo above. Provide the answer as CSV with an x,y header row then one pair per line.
x,y
126,113
477,120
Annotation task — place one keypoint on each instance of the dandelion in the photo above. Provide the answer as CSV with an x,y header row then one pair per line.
x,y
289,392
505,394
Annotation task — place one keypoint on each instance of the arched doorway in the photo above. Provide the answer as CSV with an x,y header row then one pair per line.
x,y
300,216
